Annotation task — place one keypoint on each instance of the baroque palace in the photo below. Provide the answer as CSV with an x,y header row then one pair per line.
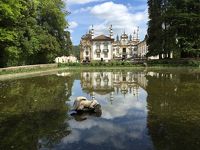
x,y
106,48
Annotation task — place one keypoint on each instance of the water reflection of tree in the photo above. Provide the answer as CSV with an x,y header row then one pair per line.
x,y
33,112
173,117
33,130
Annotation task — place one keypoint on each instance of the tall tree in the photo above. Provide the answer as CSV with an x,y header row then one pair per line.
x,y
187,25
32,32
10,13
155,28
53,19
174,26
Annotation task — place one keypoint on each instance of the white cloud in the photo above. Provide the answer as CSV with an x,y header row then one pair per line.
x,y
82,10
73,24
81,1
71,138
120,17
112,132
121,108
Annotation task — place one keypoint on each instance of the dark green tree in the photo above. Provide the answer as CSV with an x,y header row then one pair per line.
x,y
155,28
174,27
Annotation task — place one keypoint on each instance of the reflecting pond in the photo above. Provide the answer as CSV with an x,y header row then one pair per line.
x,y
141,110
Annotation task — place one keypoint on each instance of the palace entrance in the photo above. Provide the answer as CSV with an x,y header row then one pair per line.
x,y
87,59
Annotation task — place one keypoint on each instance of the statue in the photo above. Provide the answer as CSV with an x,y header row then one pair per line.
x,y
84,108
82,104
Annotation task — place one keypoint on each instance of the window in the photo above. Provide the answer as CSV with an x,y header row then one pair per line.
x,y
105,45
106,55
98,55
124,50
98,45
98,50
124,79
117,50
105,50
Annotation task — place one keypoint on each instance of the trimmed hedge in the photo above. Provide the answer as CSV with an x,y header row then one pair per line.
x,y
68,64
150,63
104,64
175,62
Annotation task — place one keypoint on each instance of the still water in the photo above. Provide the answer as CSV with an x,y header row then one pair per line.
x,y
141,110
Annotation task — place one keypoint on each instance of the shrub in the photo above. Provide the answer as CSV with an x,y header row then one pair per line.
x,y
174,62
68,64
194,63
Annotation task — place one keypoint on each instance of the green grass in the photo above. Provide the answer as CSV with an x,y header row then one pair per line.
x,y
24,70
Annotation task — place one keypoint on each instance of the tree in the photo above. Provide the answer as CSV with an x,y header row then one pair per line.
x,y
53,19
32,32
10,12
154,40
76,51
174,26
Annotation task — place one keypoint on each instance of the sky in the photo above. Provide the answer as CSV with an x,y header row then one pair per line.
x,y
124,15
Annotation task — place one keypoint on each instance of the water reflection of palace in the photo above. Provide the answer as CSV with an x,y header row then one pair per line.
x,y
103,83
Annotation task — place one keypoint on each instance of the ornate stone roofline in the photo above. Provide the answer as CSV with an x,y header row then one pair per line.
x,y
102,38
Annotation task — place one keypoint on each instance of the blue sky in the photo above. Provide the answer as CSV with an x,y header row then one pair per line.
x,y
122,14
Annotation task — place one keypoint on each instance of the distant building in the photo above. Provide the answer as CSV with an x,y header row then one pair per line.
x,y
126,46
66,59
96,48
106,48
142,50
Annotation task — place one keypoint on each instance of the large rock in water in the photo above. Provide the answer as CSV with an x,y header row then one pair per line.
x,y
82,104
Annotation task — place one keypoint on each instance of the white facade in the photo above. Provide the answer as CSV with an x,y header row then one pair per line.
x,y
125,47
102,50
105,48
65,59
142,50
